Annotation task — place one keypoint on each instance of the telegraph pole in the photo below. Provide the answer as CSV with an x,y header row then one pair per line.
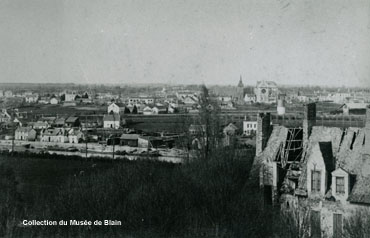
x,y
13,137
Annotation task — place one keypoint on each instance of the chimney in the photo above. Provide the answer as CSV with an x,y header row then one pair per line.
x,y
309,120
263,131
281,105
367,132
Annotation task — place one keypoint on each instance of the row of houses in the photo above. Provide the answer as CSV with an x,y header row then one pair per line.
x,y
56,135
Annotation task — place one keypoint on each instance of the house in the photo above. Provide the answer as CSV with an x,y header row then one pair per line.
x,y
249,127
75,136
159,110
354,108
250,98
144,100
4,116
148,111
111,121
25,133
129,140
56,135
266,92
54,101
114,108
59,122
322,171
40,125
72,122
31,98
8,94
190,100
70,96
44,100
230,129
19,122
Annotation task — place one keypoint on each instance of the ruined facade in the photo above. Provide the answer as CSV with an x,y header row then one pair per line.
x,y
324,170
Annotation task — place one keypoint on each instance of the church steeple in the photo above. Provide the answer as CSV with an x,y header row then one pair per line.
x,y
240,84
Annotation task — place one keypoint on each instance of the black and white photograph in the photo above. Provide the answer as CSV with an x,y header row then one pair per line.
x,y
185,118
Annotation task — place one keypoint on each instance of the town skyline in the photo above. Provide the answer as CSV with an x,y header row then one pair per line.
x,y
174,42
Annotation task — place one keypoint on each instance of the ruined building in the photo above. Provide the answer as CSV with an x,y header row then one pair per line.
x,y
322,170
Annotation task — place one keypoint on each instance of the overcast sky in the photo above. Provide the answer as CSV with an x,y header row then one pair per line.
x,y
318,42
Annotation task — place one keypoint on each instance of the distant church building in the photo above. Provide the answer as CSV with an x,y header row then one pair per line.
x,y
239,94
266,92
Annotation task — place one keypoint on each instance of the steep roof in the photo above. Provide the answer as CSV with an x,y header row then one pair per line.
x,y
71,119
240,84
361,191
266,84
23,129
130,136
53,132
355,105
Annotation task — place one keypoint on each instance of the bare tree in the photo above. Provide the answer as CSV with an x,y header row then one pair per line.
x,y
294,223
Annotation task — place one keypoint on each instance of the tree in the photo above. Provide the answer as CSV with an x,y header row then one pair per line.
x,y
209,119
127,110
134,110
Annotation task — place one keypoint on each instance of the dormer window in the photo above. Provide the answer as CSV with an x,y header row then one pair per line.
x,y
339,185
316,181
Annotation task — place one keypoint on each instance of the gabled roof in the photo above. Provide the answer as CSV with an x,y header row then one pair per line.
x,y
24,129
130,136
354,105
60,121
230,126
71,119
53,132
266,84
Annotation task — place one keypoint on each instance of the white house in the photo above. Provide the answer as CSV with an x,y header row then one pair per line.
x,y
111,121
54,101
75,136
70,97
147,111
25,133
57,135
249,127
31,98
4,116
114,108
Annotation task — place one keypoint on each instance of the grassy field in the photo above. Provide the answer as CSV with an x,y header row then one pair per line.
x,y
52,110
43,176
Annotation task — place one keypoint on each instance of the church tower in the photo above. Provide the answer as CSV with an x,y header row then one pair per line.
x,y
239,97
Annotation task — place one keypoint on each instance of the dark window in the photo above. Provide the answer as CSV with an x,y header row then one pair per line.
x,y
267,194
315,181
339,184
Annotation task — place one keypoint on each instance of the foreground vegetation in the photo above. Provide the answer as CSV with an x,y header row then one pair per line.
x,y
201,198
